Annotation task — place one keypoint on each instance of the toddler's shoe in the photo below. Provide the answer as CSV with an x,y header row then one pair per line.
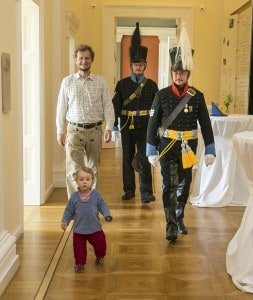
x,y
79,268
99,261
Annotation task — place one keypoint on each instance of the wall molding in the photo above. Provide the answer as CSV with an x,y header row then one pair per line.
x,y
72,23
9,260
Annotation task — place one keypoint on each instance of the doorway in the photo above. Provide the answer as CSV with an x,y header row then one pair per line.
x,y
32,123
163,38
112,13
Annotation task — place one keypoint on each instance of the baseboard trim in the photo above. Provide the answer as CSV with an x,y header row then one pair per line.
x,y
9,260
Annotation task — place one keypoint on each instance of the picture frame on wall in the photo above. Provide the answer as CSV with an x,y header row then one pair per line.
x,y
6,81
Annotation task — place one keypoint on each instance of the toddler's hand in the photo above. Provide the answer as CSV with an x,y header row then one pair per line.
x,y
63,226
108,218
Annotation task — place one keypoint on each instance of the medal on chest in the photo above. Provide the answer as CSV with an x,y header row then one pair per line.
x,y
186,108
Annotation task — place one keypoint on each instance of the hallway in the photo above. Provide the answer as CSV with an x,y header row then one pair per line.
x,y
140,263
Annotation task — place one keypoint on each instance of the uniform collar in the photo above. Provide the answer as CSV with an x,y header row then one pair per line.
x,y
181,93
134,79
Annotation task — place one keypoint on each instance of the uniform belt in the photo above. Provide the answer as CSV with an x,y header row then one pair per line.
x,y
135,113
181,135
86,126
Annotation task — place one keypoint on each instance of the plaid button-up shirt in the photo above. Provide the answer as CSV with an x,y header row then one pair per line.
x,y
84,101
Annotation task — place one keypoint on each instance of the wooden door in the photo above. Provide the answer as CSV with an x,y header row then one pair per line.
x,y
152,43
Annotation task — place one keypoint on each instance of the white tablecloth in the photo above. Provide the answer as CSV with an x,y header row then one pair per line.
x,y
239,258
224,183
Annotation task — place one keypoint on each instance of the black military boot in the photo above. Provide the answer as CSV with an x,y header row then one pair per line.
x,y
180,218
171,226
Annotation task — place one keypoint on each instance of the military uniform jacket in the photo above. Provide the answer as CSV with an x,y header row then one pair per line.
x,y
123,90
164,103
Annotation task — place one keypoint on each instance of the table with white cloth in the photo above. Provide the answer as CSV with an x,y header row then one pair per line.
x,y
224,183
239,258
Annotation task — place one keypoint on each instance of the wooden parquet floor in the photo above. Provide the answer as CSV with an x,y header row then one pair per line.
x,y
140,263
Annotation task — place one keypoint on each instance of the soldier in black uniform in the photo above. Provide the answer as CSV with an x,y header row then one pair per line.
x,y
132,102
176,145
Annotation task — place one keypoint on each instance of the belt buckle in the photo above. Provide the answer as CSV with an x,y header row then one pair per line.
x,y
191,92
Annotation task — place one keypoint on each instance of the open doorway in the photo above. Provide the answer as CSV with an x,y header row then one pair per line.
x,y
165,30
32,124
113,13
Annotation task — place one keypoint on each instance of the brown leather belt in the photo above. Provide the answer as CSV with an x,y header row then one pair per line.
x,y
86,126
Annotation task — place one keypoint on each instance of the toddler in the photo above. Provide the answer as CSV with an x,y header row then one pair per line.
x,y
84,207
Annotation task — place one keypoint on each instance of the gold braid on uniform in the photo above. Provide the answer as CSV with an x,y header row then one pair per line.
x,y
188,156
